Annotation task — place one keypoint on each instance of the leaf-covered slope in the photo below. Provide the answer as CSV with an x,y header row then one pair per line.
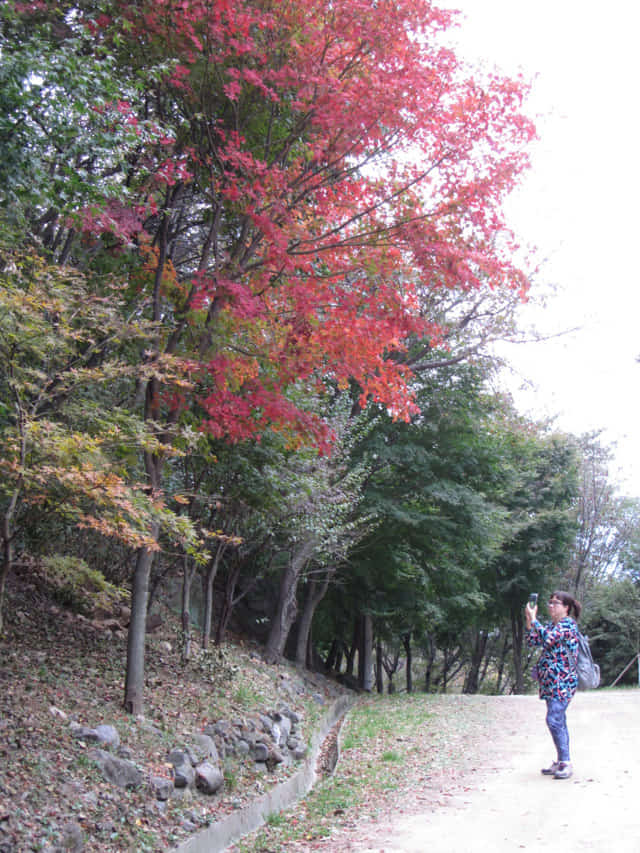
x,y
58,668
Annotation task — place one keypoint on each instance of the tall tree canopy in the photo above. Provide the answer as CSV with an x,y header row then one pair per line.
x,y
283,171
285,185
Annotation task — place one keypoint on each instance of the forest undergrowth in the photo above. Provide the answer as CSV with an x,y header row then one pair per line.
x,y
57,668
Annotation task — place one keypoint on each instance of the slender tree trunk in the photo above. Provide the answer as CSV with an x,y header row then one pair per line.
x,y
379,667
310,657
487,660
406,640
501,665
472,680
315,593
338,662
355,642
330,660
227,604
188,573
7,549
391,667
430,654
287,607
446,665
212,571
517,633
7,562
451,667
134,683
207,617
365,658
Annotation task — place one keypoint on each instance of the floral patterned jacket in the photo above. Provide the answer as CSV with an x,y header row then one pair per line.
x,y
557,674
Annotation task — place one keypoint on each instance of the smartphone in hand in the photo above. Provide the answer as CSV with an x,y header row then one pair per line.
x,y
533,600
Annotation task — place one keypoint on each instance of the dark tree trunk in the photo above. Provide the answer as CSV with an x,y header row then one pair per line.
x,y
365,656
355,642
338,661
451,666
517,634
391,666
286,610
472,681
212,571
406,641
332,656
316,591
287,607
188,572
309,657
501,665
67,247
430,656
491,644
7,557
379,667
445,670
227,604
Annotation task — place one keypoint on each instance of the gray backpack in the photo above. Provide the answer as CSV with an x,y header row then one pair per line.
x,y
588,671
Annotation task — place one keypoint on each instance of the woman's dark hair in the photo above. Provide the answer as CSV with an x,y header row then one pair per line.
x,y
575,608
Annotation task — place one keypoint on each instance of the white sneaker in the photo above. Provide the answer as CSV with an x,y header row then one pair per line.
x,y
564,771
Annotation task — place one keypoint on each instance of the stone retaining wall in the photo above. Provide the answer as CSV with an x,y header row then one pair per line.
x,y
220,835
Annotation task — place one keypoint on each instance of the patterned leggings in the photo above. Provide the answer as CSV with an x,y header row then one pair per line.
x,y
557,724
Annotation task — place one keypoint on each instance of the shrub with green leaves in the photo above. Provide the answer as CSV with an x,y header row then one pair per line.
x,y
76,585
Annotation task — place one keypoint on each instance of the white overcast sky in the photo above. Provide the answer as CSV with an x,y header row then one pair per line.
x,y
579,205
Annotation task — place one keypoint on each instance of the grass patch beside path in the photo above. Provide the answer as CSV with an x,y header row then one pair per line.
x,y
393,749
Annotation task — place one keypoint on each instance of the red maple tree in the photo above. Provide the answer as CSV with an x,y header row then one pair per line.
x,y
306,173
323,165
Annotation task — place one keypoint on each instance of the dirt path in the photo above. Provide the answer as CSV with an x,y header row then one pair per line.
x,y
505,804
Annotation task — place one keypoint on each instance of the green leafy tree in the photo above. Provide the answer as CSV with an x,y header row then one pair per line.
x,y
608,522
612,593
67,134
628,557
319,520
438,527
540,499
63,453
612,622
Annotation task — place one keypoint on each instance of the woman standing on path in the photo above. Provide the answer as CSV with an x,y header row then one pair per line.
x,y
557,674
